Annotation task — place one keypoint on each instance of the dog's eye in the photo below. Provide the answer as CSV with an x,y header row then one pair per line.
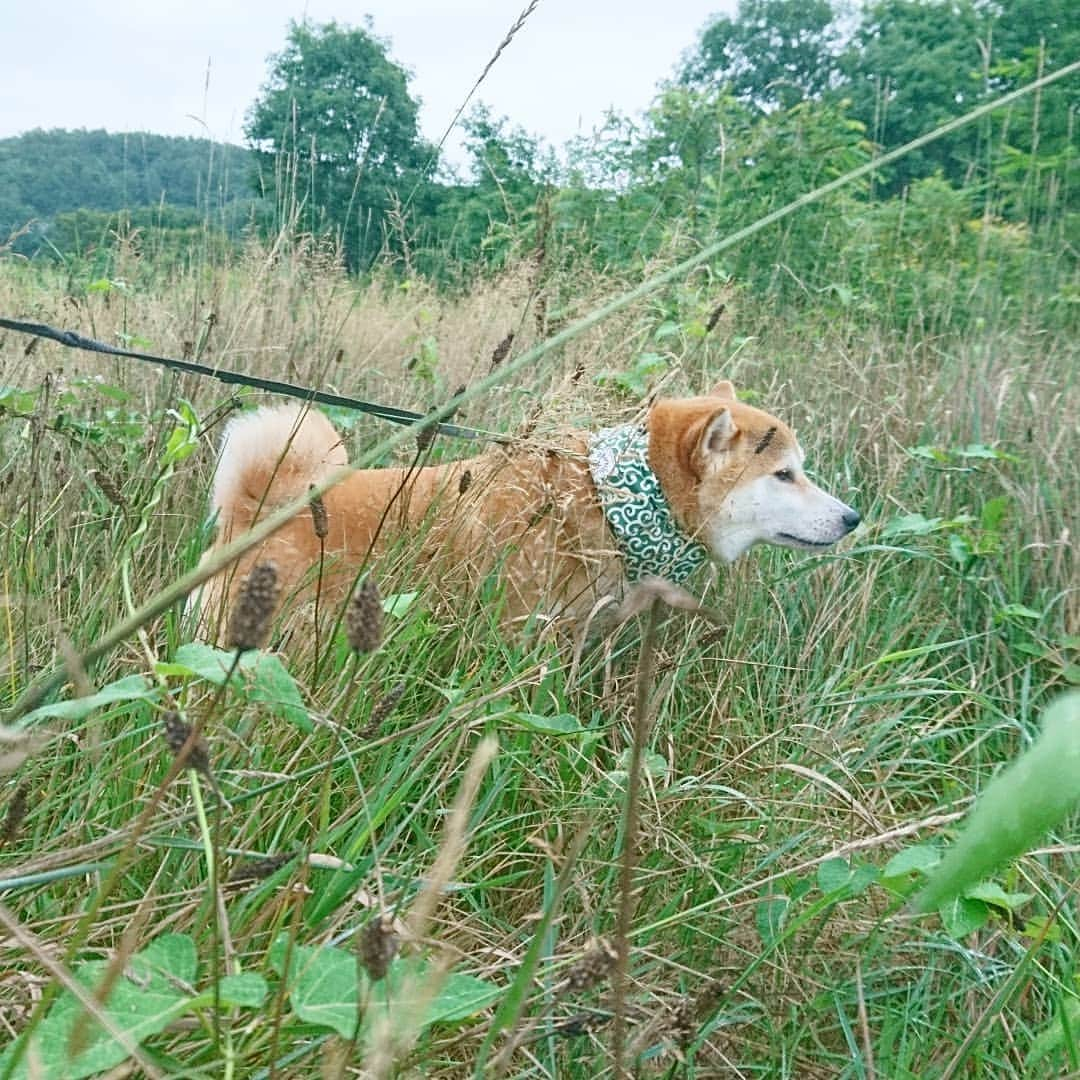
x,y
784,474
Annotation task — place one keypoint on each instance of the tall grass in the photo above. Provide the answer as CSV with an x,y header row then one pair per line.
x,y
851,706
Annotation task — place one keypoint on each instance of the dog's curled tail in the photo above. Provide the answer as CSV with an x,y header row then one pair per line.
x,y
268,457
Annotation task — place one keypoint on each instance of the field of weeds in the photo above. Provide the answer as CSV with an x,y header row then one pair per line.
x,y
410,860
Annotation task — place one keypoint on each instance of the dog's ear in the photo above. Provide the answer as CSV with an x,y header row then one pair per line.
x,y
723,389
719,433
710,437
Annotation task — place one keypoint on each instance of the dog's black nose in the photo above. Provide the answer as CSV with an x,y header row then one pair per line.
x,y
851,518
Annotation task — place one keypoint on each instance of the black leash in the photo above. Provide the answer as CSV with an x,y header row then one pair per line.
x,y
233,378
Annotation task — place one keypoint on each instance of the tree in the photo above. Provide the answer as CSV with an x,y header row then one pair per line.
x,y
772,54
462,225
912,65
1035,147
336,131
46,174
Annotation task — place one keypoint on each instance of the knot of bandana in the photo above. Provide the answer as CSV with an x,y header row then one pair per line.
x,y
646,533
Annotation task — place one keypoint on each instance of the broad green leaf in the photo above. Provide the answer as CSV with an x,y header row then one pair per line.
x,y
148,997
399,603
272,684
562,724
993,513
962,916
960,549
1018,611
911,525
1042,928
171,953
928,453
324,987
138,1010
1053,1035
460,997
322,982
653,765
919,525
862,877
770,915
246,991
16,400
179,446
199,661
833,875
1017,807
130,688
113,393
917,859
259,677
836,876
990,892
979,452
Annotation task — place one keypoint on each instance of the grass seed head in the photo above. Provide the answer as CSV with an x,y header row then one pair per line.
x,y
386,705
16,812
378,947
108,487
319,520
714,317
176,733
683,1025
364,619
260,868
502,350
425,438
595,965
254,607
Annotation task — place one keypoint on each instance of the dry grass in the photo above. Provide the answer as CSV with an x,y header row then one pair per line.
x,y
849,704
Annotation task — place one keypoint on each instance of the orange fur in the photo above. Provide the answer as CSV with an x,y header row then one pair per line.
x,y
533,512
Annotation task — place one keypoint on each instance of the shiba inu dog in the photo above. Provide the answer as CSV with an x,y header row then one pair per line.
x,y
563,524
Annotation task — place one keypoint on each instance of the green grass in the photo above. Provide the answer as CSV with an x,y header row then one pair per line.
x,y
851,705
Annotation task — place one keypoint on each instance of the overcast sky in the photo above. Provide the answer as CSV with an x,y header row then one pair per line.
x,y
193,67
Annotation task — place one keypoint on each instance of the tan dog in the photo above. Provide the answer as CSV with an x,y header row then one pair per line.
x,y
706,477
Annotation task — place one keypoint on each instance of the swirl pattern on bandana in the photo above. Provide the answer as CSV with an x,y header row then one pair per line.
x,y
648,538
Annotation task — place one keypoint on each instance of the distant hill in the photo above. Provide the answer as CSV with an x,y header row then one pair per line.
x,y
46,173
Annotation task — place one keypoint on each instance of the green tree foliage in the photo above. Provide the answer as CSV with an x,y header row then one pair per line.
x,y
335,131
495,212
1036,142
907,66
47,173
912,65
773,101
771,53
161,238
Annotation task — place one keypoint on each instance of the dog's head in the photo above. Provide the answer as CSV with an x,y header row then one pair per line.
x,y
734,477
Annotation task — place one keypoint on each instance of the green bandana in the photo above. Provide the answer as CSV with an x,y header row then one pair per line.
x,y
647,535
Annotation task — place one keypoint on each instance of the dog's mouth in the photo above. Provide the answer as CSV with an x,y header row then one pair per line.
x,y
800,541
